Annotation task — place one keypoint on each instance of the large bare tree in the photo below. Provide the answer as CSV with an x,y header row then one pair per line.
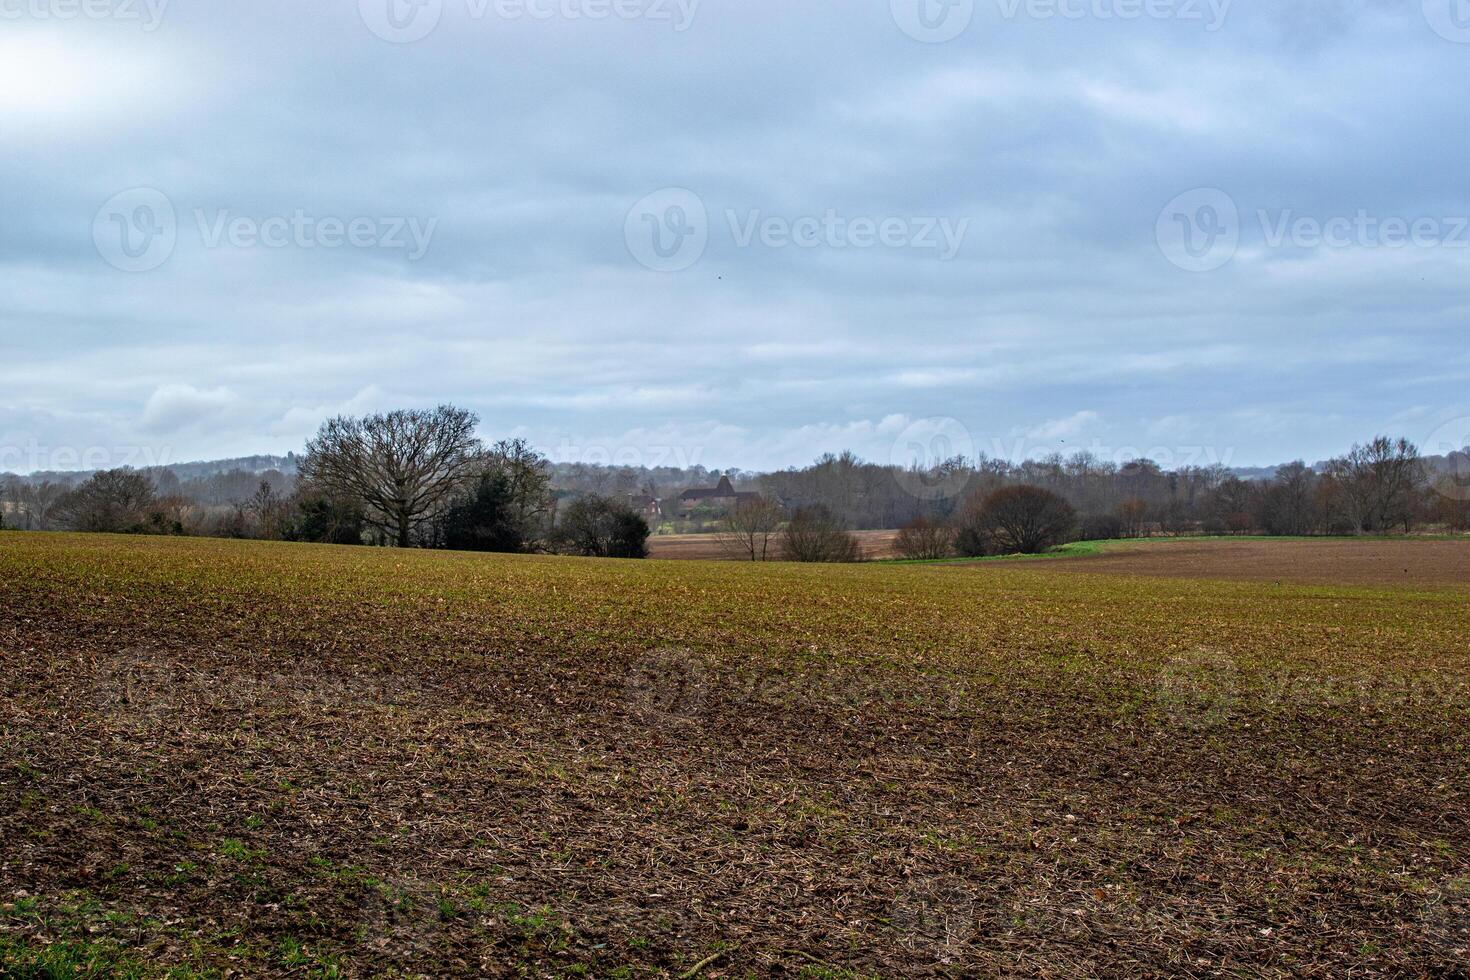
x,y
401,466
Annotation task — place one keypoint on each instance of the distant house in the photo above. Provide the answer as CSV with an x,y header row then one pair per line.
x,y
645,505
722,497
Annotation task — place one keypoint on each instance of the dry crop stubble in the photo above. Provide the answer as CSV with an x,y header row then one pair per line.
x,y
287,760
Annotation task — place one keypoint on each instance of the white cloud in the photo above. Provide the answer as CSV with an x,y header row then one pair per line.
x,y
173,407
1073,425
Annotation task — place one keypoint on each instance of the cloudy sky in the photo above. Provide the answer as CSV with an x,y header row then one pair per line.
x,y
735,232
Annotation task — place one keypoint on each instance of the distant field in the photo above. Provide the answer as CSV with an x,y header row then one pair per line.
x,y
1325,561
706,547
282,760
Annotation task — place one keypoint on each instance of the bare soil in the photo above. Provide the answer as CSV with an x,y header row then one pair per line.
x,y
1335,561
233,759
875,545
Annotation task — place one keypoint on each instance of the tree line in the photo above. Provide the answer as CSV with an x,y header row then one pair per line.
x,y
1380,486
406,478
425,479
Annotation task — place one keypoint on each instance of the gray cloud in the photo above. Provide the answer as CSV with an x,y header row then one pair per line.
x,y
528,140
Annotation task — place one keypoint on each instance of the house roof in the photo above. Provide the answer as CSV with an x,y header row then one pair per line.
x,y
725,491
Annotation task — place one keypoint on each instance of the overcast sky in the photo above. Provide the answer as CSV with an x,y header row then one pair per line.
x,y
735,232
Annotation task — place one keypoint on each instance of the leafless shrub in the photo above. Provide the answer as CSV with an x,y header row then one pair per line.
x,y
814,534
924,540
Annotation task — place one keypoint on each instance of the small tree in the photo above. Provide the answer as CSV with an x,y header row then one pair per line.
x,y
598,527
1451,505
749,529
814,534
924,540
1131,515
1023,520
527,476
1101,527
32,506
268,512
320,519
485,519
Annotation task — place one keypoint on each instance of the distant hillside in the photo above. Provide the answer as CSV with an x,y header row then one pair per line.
x,y
198,470
286,464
